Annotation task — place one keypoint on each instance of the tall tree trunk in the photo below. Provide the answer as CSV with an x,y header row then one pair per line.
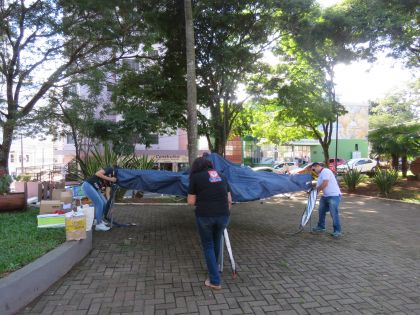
x,y
191,85
395,158
325,147
5,148
404,165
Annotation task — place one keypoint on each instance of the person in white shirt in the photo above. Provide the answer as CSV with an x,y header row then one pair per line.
x,y
330,199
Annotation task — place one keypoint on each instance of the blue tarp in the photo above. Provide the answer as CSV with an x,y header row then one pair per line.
x,y
246,184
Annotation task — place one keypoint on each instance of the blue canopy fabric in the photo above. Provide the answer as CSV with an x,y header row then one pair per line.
x,y
246,184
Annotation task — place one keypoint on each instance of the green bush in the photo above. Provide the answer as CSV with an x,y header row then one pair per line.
x,y
352,178
5,181
384,180
24,178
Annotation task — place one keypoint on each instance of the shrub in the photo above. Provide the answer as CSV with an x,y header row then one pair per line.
x,y
5,181
384,180
352,178
23,178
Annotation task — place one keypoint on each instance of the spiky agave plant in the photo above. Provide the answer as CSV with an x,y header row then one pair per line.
x,y
352,178
385,180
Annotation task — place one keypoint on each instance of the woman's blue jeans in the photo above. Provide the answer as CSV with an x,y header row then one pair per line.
x,y
211,231
330,204
97,198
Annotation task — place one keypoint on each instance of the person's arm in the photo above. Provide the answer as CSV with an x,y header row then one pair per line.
x,y
323,185
229,199
101,174
191,199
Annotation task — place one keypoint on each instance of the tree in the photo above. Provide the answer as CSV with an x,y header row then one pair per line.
x,y
303,82
396,108
47,42
191,86
394,128
230,38
397,141
266,123
390,25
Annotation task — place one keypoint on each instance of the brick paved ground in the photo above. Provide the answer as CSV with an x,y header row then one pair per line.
x,y
157,267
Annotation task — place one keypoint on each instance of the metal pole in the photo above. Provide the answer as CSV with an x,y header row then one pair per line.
x,y
336,144
21,153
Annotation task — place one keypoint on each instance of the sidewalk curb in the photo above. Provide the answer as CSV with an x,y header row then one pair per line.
x,y
381,198
24,285
149,204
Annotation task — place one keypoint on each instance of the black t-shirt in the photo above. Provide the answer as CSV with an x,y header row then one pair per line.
x,y
98,182
211,190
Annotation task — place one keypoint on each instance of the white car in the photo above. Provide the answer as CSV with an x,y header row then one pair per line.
x,y
363,165
267,160
285,167
267,169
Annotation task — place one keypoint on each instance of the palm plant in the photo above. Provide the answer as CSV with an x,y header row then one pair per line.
x,y
90,164
385,180
352,179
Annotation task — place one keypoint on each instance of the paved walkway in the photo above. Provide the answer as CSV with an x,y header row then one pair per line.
x,y
158,268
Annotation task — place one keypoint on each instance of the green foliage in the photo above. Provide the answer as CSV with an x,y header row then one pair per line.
x,y
98,159
74,36
396,108
21,241
400,140
385,180
352,179
23,178
5,181
385,25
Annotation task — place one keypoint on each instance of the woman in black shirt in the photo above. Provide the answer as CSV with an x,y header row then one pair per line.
x,y
209,192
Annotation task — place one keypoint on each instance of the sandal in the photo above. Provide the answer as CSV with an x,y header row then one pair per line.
x,y
212,286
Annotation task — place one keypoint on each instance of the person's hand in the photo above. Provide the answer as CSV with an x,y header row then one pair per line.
x,y
113,179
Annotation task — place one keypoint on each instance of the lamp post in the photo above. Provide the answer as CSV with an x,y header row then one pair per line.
x,y
336,144
21,153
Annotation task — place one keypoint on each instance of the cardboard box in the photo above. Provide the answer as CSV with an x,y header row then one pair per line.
x,y
51,220
49,206
64,195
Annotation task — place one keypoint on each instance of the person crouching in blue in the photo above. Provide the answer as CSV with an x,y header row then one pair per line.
x,y
209,192
92,187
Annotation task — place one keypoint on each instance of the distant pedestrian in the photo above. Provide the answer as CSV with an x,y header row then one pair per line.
x,y
209,192
330,199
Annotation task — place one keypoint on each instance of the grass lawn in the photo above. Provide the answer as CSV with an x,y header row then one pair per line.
x,y
21,242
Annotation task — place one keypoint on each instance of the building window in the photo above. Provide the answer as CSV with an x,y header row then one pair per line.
x,y
69,139
12,158
27,158
154,138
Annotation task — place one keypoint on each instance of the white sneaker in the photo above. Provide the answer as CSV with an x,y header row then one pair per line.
x,y
101,227
106,223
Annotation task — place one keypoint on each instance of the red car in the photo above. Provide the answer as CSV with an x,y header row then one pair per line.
x,y
339,162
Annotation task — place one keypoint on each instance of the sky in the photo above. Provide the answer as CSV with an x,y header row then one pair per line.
x,y
360,82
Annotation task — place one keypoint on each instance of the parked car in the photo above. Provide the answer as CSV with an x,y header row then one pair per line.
x,y
307,169
285,167
339,162
268,169
267,160
363,165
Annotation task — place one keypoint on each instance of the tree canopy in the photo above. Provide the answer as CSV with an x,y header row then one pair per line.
x,y
47,42
395,127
